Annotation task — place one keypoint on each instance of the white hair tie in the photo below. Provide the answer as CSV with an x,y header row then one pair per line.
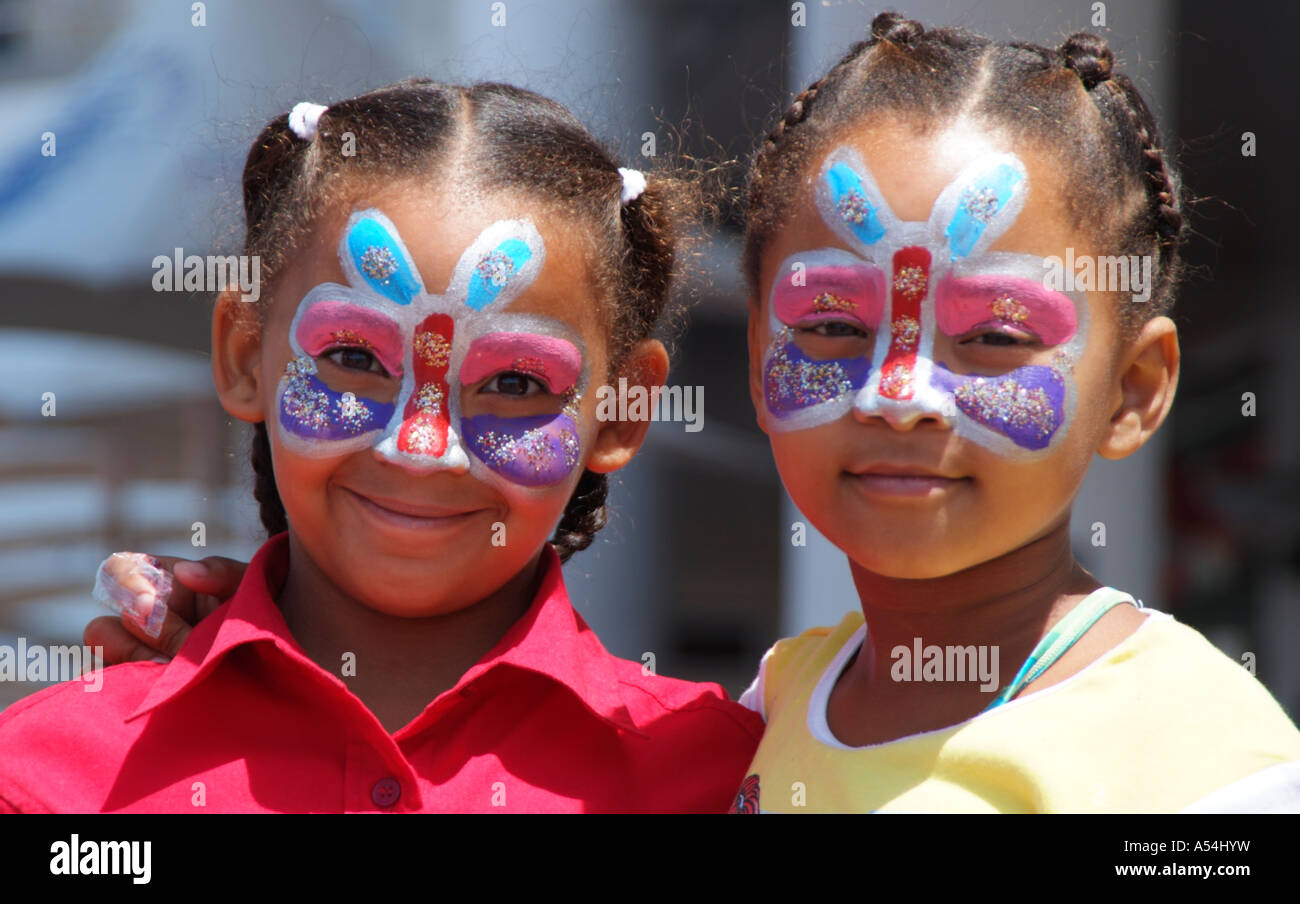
x,y
303,118
633,184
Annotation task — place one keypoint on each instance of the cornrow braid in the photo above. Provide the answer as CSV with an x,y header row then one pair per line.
x,y
1031,91
270,508
583,516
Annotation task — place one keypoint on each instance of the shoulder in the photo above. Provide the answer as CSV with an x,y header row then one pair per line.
x,y
788,661
1177,661
69,736
650,698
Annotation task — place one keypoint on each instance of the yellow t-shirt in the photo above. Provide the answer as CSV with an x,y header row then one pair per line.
x,y
1162,722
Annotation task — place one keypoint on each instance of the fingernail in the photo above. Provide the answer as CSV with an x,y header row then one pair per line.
x,y
163,659
190,571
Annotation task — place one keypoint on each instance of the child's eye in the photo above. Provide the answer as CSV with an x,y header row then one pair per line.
x,y
834,328
513,383
997,337
355,359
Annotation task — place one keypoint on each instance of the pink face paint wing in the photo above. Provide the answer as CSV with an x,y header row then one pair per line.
x,y
339,324
833,292
555,361
425,418
963,304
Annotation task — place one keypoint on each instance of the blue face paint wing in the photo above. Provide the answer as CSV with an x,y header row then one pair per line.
x,y
849,202
982,200
377,256
495,270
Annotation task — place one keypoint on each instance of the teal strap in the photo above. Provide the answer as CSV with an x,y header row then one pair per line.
x,y
1064,634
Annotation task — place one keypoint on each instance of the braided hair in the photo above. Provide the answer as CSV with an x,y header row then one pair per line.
x,y
520,141
1120,184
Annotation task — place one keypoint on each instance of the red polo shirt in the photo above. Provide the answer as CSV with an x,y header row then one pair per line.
x,y
242,721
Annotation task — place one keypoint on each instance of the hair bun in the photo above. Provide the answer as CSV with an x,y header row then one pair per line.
x,y
1089,56
896,29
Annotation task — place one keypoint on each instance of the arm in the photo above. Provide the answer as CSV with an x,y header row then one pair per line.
x,y
196,589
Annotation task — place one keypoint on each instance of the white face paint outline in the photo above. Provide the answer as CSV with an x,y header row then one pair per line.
x,y
469,323
874,237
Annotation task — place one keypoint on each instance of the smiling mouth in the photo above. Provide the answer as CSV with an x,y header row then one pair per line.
x,y
903,481
400,513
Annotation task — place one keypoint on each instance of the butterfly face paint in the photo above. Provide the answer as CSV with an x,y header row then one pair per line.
x,y
904,281
435,345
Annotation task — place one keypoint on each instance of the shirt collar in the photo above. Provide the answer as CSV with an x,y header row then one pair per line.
x,y
551,639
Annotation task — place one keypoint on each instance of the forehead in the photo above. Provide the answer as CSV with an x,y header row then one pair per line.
x,y
437,226
912,166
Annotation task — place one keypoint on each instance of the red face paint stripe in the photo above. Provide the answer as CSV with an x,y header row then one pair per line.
x,y
911,281
426,416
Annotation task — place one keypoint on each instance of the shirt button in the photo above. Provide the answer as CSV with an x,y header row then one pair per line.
x,y
386,792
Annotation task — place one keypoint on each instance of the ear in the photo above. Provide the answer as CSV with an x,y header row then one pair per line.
x,y
617,441
236,357
1148,380
756,362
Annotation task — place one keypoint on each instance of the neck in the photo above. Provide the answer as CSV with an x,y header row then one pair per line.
x,y
1005,604
400,664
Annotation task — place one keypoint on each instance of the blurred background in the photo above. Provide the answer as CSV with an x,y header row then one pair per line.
x,y
152,112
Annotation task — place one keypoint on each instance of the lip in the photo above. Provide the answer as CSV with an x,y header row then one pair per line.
x,y
411,516
903,481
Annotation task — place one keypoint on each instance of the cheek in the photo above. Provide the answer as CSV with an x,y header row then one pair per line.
x,y
536,451
794,382
319,417
1026,405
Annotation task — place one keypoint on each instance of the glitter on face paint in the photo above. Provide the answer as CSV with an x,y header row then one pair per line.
x,y
421,437
910,281
981,203
378,263
896,383
350,338
308,406
496,267
906,331
1062,361
533,446
529,365
800,383
572,401
353,414
853,207
429,399
1008,309
828,302
992,401
433,349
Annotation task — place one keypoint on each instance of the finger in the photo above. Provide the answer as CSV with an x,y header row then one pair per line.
x,y
171,636
216,575
115,643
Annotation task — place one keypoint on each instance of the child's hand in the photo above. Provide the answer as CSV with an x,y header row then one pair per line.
x,y
159,599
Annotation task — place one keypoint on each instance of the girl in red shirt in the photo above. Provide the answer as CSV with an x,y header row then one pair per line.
x,y
450,274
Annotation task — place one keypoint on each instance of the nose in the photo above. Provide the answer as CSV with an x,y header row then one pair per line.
x,y
452,459
905,406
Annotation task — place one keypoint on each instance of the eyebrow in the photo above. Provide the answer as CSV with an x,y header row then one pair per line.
x,y
967,302
329,323
854,289
555,361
